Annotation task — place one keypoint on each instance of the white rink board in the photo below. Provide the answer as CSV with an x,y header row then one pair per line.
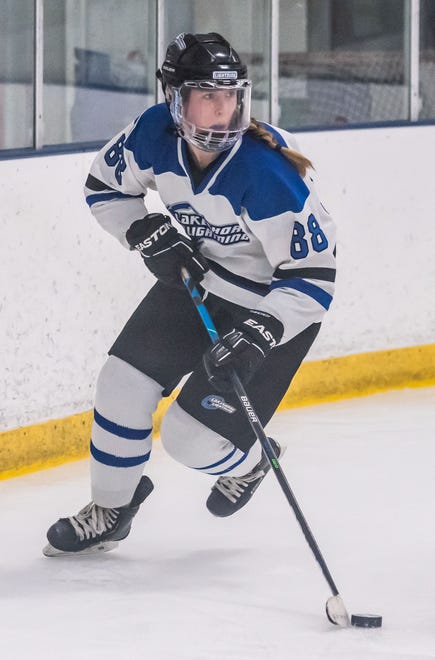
x,y
68,287
188,586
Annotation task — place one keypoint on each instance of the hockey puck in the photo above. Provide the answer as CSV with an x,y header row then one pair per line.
x,y
366,620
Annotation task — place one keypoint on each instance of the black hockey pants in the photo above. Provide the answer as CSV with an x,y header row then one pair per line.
x,y
165,339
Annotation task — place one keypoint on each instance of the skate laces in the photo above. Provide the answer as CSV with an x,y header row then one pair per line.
x,y
93,520
234,487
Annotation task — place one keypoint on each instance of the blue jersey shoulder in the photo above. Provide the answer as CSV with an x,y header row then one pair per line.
x,y
262,180
153,141
275,186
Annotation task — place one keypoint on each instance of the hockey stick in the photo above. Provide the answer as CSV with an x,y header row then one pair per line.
x,y
335,608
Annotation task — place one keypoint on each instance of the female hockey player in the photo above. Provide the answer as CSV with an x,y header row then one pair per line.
x,y
261,245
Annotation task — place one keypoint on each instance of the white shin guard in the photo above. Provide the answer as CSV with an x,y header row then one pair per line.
x,y
121,433
192,443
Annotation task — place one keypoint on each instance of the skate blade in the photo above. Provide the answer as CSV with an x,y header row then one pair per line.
x,y
107,546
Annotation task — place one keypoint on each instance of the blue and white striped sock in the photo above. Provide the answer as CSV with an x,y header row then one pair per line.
x,y
121,432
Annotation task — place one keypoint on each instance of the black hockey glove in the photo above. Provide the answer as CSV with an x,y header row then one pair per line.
x,y
242,350
164,250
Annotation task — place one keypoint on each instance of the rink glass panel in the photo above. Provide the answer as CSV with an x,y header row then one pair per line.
x,y
342,62
98,67
16,74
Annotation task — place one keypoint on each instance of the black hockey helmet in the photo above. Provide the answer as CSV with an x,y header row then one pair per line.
x,y
201,57
206,64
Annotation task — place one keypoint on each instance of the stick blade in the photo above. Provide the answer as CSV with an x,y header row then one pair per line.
x,y
336,612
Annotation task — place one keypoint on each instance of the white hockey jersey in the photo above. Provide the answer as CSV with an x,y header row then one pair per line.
x,y
269,241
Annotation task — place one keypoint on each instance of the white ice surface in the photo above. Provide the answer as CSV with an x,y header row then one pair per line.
x,y
187,586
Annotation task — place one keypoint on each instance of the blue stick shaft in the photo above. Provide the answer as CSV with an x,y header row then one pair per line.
x,y
200,307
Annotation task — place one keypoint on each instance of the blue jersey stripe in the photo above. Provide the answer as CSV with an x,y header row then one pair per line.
x,y
120,431
234,465
117,461
320,295
209,467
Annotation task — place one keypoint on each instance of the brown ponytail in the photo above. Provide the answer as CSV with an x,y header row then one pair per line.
x,y
300,162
